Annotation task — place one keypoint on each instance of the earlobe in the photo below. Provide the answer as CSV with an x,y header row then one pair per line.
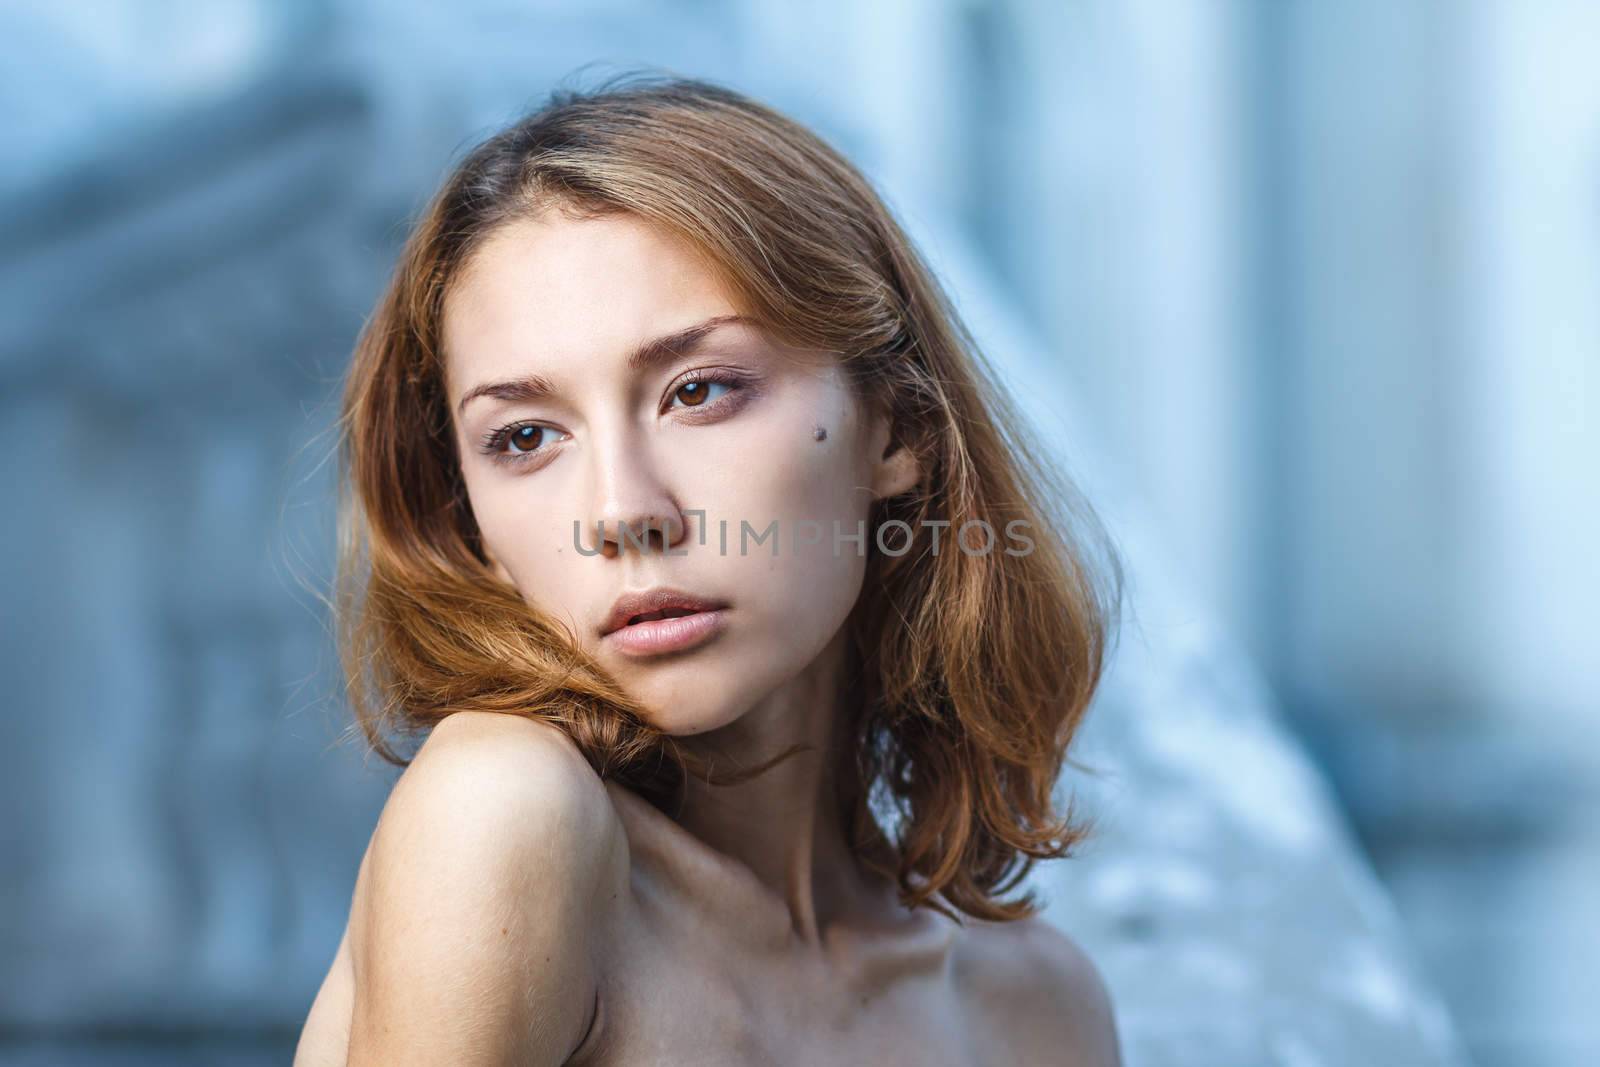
x,y
897,473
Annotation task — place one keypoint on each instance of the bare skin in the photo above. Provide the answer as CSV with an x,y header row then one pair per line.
x,y
514,909
684,958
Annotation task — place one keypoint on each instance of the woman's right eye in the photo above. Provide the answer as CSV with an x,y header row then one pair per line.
x,y
525,438
512,443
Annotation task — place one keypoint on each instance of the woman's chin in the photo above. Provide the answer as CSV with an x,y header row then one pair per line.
x,y
683,722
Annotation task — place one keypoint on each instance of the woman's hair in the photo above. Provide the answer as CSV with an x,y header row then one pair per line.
x,y
971,670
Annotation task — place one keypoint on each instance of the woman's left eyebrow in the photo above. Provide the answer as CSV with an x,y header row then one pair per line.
x,y
657,350
680,343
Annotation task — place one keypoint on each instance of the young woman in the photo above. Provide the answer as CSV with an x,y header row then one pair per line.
x,y
744,628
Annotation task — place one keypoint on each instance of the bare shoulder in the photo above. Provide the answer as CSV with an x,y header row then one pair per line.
x,y
472,927
511,796
1037,994
508,760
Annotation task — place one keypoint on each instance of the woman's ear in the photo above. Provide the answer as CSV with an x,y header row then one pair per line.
x,y
895,469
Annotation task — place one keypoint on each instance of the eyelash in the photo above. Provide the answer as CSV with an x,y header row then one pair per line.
x,y
494,441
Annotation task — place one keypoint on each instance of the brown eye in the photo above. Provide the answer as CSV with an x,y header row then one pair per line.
x,y
525,438
693,393
697,393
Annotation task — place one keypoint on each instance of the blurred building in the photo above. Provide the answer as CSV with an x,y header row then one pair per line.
x,y
1312,286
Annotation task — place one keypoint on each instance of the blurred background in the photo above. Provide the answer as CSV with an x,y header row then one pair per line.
x,y
1320,280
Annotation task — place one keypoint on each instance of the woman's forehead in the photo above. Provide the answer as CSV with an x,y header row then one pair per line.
x,y
560,290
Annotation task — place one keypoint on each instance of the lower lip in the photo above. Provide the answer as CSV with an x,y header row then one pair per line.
x,y
658,636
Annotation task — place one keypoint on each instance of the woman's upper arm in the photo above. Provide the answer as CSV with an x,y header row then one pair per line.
x,y
473,920
325,1036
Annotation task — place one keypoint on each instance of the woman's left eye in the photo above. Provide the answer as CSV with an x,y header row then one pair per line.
x,y
698,392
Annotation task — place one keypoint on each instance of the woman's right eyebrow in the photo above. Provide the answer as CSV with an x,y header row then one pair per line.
x,y
679,343
527,388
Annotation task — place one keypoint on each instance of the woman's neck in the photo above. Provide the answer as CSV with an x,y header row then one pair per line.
x,y
787,823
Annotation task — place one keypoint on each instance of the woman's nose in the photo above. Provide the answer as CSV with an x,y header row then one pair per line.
x,y
635,508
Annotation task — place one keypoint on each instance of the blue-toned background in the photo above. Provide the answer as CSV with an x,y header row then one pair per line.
x,y
1307,294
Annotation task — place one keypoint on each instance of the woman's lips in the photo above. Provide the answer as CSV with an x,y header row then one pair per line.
x,y
658,636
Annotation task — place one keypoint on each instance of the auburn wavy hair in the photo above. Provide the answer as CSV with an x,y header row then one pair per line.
x,y
972,670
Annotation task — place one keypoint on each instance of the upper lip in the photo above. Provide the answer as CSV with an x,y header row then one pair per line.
x,y
659,599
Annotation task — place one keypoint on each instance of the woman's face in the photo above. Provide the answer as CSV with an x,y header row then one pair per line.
x,y
559,421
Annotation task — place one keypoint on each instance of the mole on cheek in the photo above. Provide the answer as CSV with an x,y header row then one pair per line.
x,y
820,434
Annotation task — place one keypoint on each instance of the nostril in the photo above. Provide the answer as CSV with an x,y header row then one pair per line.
x,y
646,536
